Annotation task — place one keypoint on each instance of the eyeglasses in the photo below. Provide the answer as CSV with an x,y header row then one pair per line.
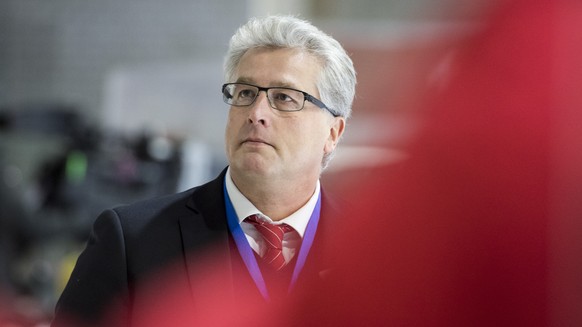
x,y
280,98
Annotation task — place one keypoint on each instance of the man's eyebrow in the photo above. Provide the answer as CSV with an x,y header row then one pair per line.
x,y
245,80
285,84
273,84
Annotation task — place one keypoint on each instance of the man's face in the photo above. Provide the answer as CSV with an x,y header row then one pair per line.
x,y
264,142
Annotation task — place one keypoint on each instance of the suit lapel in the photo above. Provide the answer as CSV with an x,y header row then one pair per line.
x,y
205,237
320,262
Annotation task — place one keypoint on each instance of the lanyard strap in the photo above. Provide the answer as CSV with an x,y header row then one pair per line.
x,y
246,252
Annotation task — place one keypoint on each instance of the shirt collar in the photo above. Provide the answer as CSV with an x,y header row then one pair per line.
x,y
244,208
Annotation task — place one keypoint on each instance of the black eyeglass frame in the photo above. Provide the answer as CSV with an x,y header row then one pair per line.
x,y
306,96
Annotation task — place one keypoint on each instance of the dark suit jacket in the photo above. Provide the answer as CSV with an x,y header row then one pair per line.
x,y
130,244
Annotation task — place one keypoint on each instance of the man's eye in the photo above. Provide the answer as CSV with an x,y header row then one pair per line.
x,y
283,97
246,94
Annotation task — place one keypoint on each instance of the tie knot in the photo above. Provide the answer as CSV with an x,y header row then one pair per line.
x,y
273,236
272,233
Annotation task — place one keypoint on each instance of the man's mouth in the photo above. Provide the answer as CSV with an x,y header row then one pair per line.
x,y
252,140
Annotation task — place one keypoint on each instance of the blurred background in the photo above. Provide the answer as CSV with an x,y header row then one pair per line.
x,y
107,102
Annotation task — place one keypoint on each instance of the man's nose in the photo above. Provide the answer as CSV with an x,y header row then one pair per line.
x,y
260,110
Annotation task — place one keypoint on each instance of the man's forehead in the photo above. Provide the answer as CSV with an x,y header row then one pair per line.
x,y
297,68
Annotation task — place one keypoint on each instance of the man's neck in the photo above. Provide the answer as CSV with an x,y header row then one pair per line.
x,y
276,199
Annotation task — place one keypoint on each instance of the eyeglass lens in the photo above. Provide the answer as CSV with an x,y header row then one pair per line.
x,y
279,98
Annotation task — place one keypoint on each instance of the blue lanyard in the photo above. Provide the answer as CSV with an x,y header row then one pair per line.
x,y
246,252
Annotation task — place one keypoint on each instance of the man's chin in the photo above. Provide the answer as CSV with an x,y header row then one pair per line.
x,y
253,166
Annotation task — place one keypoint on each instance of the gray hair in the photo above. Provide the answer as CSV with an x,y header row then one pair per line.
x,y
337,82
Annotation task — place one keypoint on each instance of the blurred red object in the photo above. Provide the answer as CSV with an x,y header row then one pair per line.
x,y
481,225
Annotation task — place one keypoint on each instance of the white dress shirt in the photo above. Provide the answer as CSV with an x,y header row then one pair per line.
x,y
298,220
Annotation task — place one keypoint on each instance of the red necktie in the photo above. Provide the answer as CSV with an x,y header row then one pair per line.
x,y
273,236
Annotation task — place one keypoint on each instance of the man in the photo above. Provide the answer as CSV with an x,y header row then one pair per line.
x,y
290,88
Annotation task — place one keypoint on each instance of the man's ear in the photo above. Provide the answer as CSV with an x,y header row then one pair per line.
x,y
336,129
